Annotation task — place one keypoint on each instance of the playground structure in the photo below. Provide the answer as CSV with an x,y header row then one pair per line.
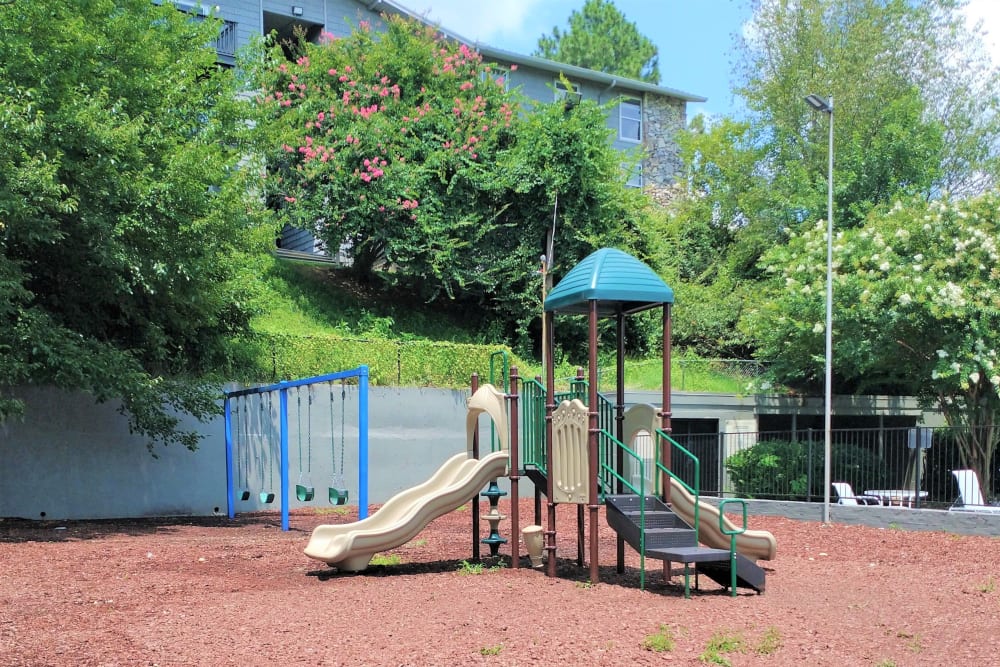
x,y
578,447
259,431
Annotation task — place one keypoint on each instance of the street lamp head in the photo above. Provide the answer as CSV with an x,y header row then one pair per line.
x,y
820,104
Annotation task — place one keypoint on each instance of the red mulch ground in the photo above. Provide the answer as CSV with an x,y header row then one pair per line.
x,y
219,592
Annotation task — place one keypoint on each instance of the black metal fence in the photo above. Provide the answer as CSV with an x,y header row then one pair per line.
x,y
911,466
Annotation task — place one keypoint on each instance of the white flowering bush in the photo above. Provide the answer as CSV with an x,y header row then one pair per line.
x,y
916,296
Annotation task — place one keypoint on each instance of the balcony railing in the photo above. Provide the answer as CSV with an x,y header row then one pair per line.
x,y
225,43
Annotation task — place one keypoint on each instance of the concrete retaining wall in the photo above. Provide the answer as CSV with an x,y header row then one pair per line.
x,y
71,458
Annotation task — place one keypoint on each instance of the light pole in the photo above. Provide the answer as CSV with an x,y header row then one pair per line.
x,y
826,106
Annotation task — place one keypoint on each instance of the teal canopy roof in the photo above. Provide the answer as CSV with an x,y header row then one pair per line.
x,y
616,280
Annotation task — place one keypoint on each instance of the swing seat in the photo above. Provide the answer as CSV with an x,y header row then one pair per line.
x,y
338,496
304,493
267,496
245,495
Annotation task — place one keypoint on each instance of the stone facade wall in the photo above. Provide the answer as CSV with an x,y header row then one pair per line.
x,y
663,118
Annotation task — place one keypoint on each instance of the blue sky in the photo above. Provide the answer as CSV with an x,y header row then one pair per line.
x,y
696,38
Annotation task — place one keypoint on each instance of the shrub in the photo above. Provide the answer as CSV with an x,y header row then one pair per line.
x,y
787,470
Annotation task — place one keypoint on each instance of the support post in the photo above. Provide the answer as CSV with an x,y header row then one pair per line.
x,y
550,390
475,503
515,467
230,492
620,431
665,415
362,442
283,426
592,448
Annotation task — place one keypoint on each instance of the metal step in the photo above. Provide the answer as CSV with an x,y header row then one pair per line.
x,y
669,538
663,528
662,538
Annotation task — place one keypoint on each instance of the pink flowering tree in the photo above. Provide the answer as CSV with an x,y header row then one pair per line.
x,y
382,142
410,152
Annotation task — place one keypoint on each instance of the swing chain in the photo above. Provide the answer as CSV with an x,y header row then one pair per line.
x,y
270,433
298,416
343,401
309,438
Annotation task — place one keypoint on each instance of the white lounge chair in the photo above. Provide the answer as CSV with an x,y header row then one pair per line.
x,y
970,494
845,496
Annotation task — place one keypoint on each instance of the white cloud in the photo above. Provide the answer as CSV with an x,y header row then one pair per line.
x,y
987,11
488,22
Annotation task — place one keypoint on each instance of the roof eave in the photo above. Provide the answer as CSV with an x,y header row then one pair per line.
x,y
543,63
584,73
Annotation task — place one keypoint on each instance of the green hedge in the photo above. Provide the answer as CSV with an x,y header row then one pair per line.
x,y
784,470
273,357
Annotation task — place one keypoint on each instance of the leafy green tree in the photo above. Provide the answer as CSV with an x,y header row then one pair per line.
x,y
408,151
121,211
916,311
918,118
602,39
915,101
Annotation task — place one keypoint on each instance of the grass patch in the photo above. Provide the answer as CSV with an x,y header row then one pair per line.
x,y
313,303
479,568
769,643
308,299
988,586
686,375
913,641
722,642
336,511
389,559
659,641
491,650
471,568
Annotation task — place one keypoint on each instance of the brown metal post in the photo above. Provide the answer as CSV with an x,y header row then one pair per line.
x,y
550,390
665,411
620,431
515,518
475,502
538,491
595,574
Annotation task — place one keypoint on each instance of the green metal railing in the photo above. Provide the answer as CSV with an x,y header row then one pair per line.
x,y
607,471
532,410
732,537
504,369
662,439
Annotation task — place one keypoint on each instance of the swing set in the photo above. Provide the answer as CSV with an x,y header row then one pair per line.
x,y
251,435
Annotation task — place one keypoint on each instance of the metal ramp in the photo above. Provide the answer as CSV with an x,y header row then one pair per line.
x,y
665,536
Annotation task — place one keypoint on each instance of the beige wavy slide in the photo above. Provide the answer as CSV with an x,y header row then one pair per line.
x,y
350,547
641,421
755,544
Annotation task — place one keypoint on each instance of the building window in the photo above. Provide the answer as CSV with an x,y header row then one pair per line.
x,y
630,119
571,95
633,174
498,75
